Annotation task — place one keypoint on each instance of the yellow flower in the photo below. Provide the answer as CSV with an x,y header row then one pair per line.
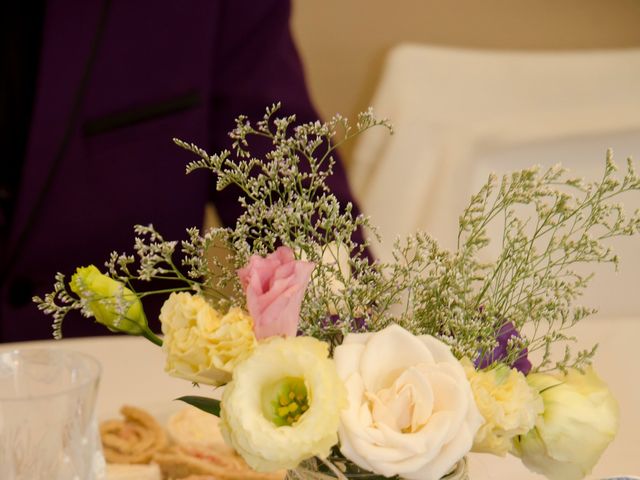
x,y
109,301
579,421
283,404
507,403
202,345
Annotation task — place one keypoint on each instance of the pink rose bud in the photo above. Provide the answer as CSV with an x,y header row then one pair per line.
x,y
274,287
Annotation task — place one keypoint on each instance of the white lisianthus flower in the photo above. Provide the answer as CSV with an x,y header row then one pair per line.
x,y
508,404
283,404
411,410
579,421
201,344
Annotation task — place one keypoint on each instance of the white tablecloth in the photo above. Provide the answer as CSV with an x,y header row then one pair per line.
x,y
133,373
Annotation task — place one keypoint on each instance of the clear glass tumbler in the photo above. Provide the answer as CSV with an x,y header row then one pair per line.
x,y
47,424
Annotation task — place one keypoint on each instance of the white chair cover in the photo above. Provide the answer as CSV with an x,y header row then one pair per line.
x,y
461,114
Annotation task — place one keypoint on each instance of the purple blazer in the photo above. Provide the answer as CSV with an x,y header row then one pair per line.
x,y
100,157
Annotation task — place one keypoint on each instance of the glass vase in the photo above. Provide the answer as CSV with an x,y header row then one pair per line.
x,y
313,469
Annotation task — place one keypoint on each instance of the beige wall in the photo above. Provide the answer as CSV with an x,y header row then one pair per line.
x,y
343,42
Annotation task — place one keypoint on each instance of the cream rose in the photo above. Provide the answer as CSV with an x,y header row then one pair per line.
x,y
411,409
202,345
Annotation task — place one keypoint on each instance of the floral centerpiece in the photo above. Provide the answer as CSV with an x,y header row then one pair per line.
x,y
339,366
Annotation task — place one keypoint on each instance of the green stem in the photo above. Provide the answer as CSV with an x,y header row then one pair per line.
x,y
166,290
152,337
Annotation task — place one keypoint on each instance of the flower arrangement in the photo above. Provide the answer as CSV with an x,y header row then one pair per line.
x,y
338,363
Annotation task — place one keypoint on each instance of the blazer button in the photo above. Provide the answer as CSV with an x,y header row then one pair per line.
x,y
20,292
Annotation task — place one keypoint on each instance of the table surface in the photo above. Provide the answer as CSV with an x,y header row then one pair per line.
x,y
133,374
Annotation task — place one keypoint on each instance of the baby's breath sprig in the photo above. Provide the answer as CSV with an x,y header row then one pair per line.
x,y
58,304
549,225
154,261
534,281
286,201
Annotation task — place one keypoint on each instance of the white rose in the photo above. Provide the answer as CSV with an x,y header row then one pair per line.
x,y
411,409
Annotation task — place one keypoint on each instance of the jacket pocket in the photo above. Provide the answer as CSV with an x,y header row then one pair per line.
x,y
141,114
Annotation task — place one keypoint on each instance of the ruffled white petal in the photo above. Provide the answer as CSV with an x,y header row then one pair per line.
x,y
410,410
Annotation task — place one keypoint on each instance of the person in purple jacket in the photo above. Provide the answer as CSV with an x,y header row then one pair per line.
x,y
92,94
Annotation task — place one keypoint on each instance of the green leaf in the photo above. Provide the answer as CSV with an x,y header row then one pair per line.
x,y
209,405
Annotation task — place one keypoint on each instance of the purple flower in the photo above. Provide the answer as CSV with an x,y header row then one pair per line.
x,y
506,331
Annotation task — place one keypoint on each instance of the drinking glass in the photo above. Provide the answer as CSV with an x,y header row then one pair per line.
x,y
47,424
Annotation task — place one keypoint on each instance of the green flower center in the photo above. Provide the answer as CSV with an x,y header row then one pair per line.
x,y
285,401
